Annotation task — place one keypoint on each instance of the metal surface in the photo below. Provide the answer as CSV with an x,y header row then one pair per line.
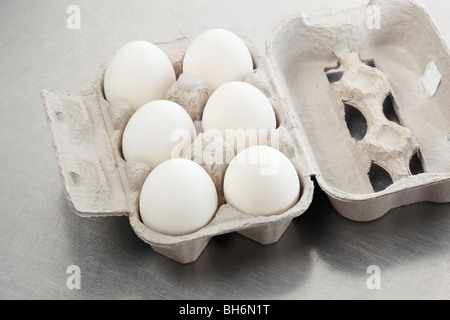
x,y
322,255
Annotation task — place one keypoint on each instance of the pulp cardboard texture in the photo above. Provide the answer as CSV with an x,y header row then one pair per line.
x,y
313,129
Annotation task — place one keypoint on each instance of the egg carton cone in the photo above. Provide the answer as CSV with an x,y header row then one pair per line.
x,y
360,100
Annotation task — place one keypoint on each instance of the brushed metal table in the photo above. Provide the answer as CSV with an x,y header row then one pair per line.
x,y
321,256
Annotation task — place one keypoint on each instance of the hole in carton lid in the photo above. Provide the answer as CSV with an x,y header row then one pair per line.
x,y
415,164
389,109
370,63
356,122
334,74
379,178
431,79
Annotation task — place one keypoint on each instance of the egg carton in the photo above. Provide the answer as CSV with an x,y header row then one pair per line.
x,y
355,109
87,133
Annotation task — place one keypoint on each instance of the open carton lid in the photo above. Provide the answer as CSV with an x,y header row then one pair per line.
x,y
392,61
373,62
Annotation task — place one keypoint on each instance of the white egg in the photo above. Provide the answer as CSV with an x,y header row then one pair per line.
x,y
241,114
158,131
177,198
261,181
138,73
216,57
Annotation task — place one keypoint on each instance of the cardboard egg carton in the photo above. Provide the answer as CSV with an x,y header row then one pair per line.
x,y
354,106
87,132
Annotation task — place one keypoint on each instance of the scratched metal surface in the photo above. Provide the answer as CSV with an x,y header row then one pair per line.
x,y
322,255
